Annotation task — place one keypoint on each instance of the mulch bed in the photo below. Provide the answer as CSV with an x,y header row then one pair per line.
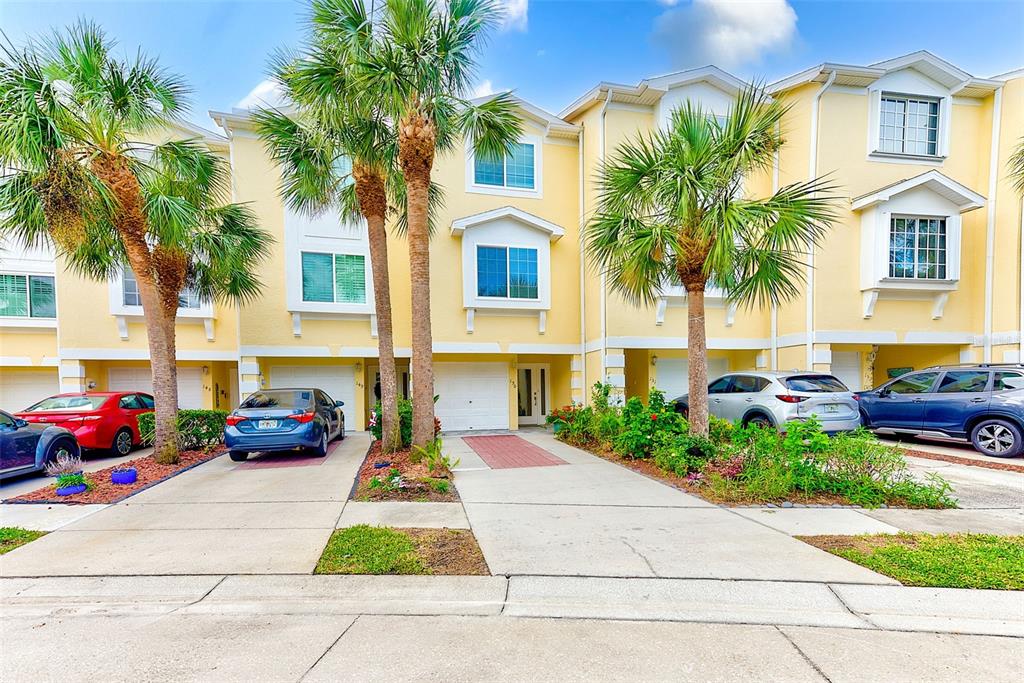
x,y
449,552
150,472
415,478
864,543
988,464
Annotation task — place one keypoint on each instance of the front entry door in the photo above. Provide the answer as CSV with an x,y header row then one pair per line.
x,y
533,394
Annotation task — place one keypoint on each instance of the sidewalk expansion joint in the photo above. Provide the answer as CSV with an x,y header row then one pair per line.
x,y
810,662
849,609
329,648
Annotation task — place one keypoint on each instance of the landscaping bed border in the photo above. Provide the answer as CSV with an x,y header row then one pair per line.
x,y
959,460
359,494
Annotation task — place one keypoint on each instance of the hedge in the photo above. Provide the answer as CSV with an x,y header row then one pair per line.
x,y
197,429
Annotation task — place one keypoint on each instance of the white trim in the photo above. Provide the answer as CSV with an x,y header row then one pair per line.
x,y
823,356
962,196
615,360
460,225
142,354
470,320
466,347
990,224
554,349
15,321
854,337
296,324
246,387
939,305
542,321
939,338
713,343
16,361
373,326
358,352
279,351
812,173
208,328
249,368
869,298
535,192
122,327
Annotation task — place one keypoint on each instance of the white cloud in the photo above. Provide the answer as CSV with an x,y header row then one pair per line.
x,y
267,93
515,14
726,33
484,89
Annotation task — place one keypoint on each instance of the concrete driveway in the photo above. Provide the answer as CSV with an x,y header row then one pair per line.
x,y
590,517
222,517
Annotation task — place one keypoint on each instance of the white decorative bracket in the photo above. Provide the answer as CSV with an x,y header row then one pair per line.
x,y
297,324
373,326
659,313
470,317
208,328
868,301
730,315
939,304
122,327
542,322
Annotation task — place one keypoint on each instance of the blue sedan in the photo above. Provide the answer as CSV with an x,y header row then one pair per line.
x,y
284,420
26,447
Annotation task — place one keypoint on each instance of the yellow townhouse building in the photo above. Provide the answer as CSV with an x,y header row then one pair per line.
x,y
923,266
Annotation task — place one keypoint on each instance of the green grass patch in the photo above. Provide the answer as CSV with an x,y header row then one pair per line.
x,y
366,549
943,561
12,537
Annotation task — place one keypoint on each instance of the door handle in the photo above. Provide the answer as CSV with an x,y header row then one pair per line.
x,y
749,400
917,400
979,399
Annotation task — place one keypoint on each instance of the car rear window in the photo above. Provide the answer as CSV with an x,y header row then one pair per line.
x,y
283,398
75,404
814,383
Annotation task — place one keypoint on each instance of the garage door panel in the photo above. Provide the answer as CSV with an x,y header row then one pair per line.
x,y
190,384
19,390
673,374
846,366
471,396
339,381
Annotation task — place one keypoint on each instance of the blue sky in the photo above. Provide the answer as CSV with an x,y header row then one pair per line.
x,y
551,51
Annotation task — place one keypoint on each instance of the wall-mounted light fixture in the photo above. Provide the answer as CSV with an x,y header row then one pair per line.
x,y
654,360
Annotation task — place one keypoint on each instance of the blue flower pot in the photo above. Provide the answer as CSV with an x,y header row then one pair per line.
x,y
71,490
556,426
381,465
128,476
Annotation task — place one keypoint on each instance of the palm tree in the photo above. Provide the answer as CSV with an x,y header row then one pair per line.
x,y
671,208
336,150
420,72
79,173
1017,167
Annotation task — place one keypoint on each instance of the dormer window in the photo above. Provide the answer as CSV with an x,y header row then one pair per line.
x,y
514,170
506,272
909,125
917,248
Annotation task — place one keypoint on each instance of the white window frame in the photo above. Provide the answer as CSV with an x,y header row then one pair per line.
x,y
907,100
508,273
537,142
914,278
905,84
120,309
181,308
367,291
30,320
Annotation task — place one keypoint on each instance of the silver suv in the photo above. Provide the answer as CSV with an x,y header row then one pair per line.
x,y
775,398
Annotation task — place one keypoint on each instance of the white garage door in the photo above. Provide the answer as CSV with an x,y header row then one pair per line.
x,y
846,366
471,396
19,390
190,383
339,381
673,374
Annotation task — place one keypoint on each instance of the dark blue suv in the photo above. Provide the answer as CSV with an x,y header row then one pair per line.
x,y
983,403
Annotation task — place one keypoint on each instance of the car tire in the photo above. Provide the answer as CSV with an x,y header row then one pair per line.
x,y
122,444
758,420
998,438
321,450
62,445
238,456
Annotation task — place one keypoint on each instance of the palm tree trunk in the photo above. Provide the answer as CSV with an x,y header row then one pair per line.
x,y
416,141
131,225
371,191
697,351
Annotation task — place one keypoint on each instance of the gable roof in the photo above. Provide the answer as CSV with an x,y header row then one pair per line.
x,y
650,90
964,197
552,124
460,225
957,80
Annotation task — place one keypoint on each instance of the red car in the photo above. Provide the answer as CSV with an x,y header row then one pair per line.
x,y
99,419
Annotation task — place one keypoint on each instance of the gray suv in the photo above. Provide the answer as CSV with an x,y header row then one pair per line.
x,y
775,398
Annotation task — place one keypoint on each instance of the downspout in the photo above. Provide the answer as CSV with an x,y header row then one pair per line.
x,y
604,286
583,264
773,361
1020,329
990,224
812,173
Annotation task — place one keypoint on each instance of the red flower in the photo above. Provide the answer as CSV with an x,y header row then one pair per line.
x,y
654,416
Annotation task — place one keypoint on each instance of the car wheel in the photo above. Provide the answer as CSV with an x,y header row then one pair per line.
x,y
238,456
122,442
759,420
321,450
62,447
998,438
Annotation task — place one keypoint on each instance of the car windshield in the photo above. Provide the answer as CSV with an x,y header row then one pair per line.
x,y
814,383
69,403
283,398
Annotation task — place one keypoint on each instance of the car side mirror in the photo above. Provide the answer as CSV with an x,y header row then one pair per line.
x,y
339,404
882,393
19,423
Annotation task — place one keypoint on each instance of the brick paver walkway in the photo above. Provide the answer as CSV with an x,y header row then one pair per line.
x,y
506,451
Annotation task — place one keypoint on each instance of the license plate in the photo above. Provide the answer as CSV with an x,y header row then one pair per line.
x,y
267,424
831,407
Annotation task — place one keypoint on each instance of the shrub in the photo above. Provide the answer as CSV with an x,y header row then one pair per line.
x,y
683,453
64,464
438,464
719,430
574,424
641,423
197,429
404,422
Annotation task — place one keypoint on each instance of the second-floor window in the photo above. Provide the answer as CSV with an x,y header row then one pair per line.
x,y
334,278
506,272
909,125
27,296
917,248
515,170
187,298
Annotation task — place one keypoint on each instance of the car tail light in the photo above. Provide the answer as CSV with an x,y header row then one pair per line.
x,y
856,397
302,417
786,398
235,419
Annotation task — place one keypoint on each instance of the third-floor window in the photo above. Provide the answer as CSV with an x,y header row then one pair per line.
x,y
27,296
333,278
187,298
909,125
917,248
516,170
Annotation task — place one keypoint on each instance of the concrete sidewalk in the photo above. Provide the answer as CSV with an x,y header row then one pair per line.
x,y
287,628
